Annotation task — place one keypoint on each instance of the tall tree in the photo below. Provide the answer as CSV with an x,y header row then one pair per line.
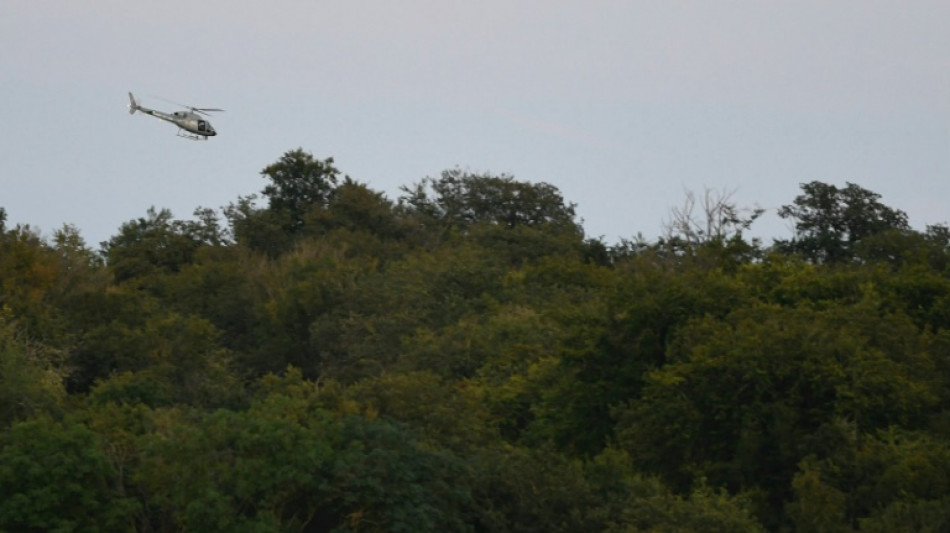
x,y
460,199
298,183
829,220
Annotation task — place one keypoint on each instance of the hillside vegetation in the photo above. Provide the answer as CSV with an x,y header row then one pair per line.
x,y
321,358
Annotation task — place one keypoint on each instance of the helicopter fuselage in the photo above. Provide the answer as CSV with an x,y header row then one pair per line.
x,y
186,120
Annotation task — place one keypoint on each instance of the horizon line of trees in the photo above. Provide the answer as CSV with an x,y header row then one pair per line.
x,y
321,358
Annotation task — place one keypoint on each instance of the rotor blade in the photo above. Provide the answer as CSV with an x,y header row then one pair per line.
x,y
203,111
195,109
167,101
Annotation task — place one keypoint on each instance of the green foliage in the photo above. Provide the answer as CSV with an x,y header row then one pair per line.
x,y
442,413
892,481
29,275
31,381
257,229
518,489
231,471
464,360
355,206
298,184
218,286
743,399
704,509
157,244
109,335
460,200
385,481
524,490
54,476
181,363
817,506
285,464
296,294
829,221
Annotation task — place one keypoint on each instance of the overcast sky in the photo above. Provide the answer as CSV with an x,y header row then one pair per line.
x,y
622,105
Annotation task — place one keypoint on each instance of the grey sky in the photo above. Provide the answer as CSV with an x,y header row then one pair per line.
x,y
622,105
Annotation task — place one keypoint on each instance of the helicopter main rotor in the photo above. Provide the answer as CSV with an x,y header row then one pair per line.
x,y
200,110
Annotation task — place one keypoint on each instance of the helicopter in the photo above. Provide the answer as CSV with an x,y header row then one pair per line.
x,y
191,124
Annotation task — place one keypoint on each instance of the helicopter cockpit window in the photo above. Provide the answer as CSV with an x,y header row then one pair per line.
x,y
202,126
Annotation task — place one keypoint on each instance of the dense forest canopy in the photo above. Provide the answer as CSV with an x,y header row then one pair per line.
x,y
320,357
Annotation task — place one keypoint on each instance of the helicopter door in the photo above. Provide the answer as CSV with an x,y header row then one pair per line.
x,y
202,125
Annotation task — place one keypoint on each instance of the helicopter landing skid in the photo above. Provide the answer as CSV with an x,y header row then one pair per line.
x,y
191,136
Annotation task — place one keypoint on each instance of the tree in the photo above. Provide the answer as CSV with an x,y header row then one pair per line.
x,y
354,206
818,505
384,480
744,399
54,476
156,244
180,362
263,469
30,383
298,183
261,230
719,219
207,228
28,275
829,221
460,200
708,233
530,490
441,413
889,481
